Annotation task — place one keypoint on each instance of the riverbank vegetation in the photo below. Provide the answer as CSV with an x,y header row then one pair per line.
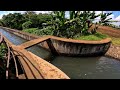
x,y
3,63
3,52
79,25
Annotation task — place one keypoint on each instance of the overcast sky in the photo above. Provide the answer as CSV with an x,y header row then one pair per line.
x,y
114,16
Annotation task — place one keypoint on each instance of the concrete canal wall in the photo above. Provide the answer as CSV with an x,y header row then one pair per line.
x,y
68,47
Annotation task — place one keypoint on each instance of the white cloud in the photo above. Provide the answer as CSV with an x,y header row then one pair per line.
x,y
117,18
5,13
37,12
98,12
1,16
111,16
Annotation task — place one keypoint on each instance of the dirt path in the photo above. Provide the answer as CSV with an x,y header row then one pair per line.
x,y
114,50
109,31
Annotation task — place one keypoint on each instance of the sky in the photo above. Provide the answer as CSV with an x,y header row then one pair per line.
x,y
114,16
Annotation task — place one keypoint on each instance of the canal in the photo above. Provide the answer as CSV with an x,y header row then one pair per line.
x,y
75,67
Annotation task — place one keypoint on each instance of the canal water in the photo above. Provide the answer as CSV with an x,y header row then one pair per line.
x,y
39,51
75,67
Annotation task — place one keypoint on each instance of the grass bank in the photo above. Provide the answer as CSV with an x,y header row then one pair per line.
x,y
93,37
97,36
115,41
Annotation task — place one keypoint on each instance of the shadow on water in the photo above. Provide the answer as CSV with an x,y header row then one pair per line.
x,y
75,67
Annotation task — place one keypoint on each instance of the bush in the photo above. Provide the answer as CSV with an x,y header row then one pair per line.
x,y
26,25
2,51
30,30
45,31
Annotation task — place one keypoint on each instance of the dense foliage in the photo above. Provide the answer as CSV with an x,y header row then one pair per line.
x,y
13,20
20,21
77,25
55,23
2,51
45,31
26,25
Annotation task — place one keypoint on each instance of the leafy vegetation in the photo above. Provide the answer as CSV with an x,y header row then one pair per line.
x,y
76,26
30,30
45,31
13,20
55,23
16,20
2,51
26,25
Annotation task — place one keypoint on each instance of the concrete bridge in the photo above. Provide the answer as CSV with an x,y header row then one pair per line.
x,y
33,66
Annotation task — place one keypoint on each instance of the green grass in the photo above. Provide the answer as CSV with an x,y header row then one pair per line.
x,y
30,30
115,41
93,37
45,31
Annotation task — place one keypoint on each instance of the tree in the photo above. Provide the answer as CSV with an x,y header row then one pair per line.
x,y
26,25
1,23
13,20
43,18
37,19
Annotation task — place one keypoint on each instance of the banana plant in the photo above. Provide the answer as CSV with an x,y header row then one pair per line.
x,y
78,23
59,22
103,18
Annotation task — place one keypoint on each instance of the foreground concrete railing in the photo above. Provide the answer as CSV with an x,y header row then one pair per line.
x,y
63,46
33,66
